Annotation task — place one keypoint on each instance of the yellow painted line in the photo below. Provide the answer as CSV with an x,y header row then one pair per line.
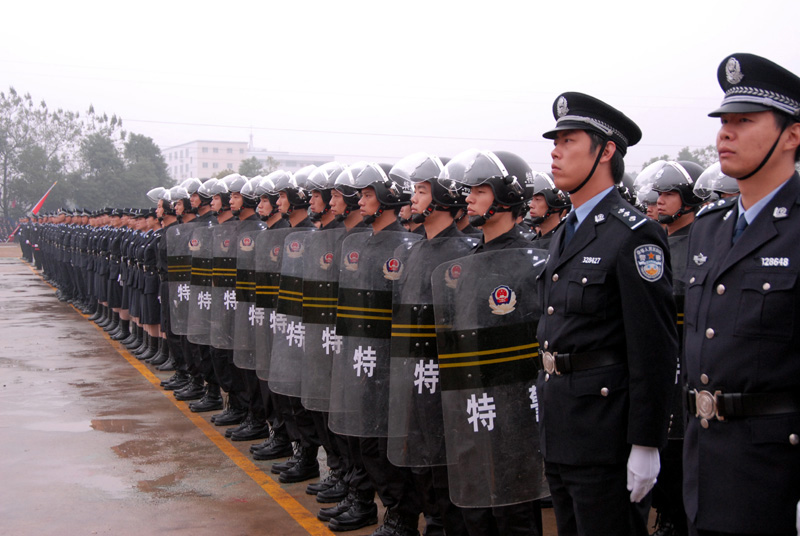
x,y
297,511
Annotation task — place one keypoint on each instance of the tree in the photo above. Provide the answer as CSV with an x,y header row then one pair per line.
x,y
704,156
250,167
222,173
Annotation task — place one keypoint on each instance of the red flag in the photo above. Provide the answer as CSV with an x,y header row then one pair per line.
x,y
38,205
11,236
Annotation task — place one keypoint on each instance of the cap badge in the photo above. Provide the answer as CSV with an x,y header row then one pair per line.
x,y
561,106
733,71
780,212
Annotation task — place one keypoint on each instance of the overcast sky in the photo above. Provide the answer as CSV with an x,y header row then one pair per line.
x,y
382,80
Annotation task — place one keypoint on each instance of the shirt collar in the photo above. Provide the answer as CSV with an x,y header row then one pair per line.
x,y
751,213
585,209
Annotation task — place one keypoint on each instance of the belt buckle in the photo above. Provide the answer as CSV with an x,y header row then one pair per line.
x,y
706,405
549,363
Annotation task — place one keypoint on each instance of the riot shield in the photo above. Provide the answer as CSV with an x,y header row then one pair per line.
x,y
198,329
269,252
320,293
359,403
416,430
248,318
179,267
289,335
486,312
223,285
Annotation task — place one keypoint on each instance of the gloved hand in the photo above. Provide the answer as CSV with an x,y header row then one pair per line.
x,y
643,467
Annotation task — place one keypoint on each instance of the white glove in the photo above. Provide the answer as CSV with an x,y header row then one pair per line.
x,y
643,467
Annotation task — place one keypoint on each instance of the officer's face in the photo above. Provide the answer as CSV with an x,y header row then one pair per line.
x,y
179,208
572,158
195,201
369,202
744,140
236,201
422,198
538,206
479,200
317,202
160,208
338,205
669,203
652,211
264,207
283,203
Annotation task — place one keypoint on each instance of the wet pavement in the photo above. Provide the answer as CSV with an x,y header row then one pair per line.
x,y
90,444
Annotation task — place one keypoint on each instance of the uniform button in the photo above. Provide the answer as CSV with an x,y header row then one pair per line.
x,y
604,391
555,278
546,377
704,379
704,423
691,280
550,310
584,280
766,286
546,344
794,439
709,333
720,289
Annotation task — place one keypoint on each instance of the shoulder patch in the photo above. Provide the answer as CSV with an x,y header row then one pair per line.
x,y
629,216
716,205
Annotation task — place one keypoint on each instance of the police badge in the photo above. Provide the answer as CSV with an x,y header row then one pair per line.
x,y
649,261
503,300
451,275
295,249
351,261
246,244
561,106
226,244
392,269
194,244
326,260
275,253
733,71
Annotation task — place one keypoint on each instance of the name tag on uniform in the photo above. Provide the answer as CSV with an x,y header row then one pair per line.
x,y
591,260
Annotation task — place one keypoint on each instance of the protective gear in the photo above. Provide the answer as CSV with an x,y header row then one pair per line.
x,y
416,429
486,318
295,187
343,185
714,181
223,284
556,200
360,378
205,191
235,183
179,266
266,188
422,167
248,192
626,188
643,467
391,193
156,194
248,319
198,328
191,185
323,180
506,173
670,176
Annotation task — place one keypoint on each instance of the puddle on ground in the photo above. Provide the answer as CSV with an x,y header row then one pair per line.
x,y
78,426
117,426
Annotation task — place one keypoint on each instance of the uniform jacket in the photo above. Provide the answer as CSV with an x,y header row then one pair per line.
x,y
609,291
742,335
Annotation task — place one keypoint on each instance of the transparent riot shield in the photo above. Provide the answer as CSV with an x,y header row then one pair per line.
x,y
248,317
223,285
359,403
179,268
289,337
416,430
320,294
198,329
486,312
269,252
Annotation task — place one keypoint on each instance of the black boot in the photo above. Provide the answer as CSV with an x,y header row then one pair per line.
x,y
362,512
168,365
151,350
278,468
135,340
396,525
279,447
109,319
232,415
326,514
103,315
192,391
306,468
123,332
145,344
162,354
256,430
114,328
335,493
211,400
328,482
176,381
98,312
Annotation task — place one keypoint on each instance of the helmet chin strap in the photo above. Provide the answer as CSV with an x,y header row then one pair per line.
x,y
594,167
478,221
371,219
766,158
667,219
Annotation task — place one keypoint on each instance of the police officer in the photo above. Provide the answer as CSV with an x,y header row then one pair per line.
x,y
547,206
607,334
742,342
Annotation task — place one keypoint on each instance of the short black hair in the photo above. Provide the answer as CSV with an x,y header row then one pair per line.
x,y
784,121
617,160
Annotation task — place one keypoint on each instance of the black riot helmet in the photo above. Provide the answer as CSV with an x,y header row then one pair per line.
x,y
423,167
506,174
627,189
248,192
179,194
218,187
204,191
391,193
671,176
323,179
294,186
556,199
343,185
236,183
192,185
163,195
714,182
265,188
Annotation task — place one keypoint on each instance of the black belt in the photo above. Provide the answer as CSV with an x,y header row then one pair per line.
x,y
716,405
556,363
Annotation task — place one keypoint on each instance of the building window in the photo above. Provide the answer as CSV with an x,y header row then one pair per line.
x,y
204,149
241,151
230,150
205,165
215,150
215,165
230,166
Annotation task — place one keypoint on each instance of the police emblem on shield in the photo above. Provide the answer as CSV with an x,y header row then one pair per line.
x,y
392,269
194,244
351,261
295,249
246,244
226,244
451,275
326,260
649,261
503,300
275,253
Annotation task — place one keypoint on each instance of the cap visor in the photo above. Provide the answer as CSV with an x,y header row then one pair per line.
x,y
739,108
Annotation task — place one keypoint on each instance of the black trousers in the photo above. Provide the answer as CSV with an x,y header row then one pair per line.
x,y
395,485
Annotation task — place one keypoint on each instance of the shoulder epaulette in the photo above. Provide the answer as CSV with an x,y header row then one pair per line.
x,y
630,217
716,205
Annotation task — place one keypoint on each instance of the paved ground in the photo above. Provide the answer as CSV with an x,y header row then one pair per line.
x,y
89,444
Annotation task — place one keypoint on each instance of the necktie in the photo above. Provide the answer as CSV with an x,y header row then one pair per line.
x,y
569,230
741,225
